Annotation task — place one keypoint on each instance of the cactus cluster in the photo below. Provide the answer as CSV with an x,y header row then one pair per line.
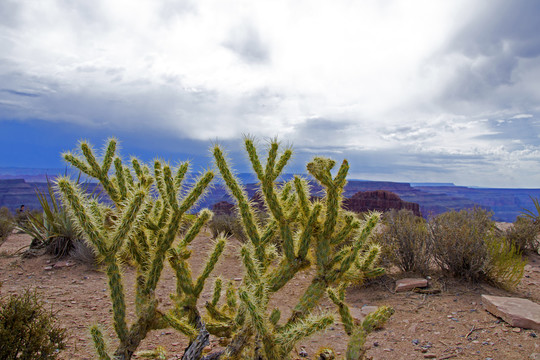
x,y
148,205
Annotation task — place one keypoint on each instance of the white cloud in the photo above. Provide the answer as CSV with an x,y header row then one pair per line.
x,y
422,77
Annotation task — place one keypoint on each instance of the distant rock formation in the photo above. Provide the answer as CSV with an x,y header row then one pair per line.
x,y
223,208
378,200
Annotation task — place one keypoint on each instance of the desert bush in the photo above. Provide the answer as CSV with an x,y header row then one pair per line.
x,y
504,266
7,223
147,225
405,241
28,331
459,241
228,225
523,234
467,245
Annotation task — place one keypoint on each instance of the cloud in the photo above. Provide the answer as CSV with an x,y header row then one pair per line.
x,y
424,89
246,42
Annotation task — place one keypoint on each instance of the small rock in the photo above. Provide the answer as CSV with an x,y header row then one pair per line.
x,y
533,335
430,356
516,330
375,344
416,341
237,279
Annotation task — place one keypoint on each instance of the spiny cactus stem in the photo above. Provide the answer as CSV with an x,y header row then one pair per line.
x,y
129,217
180,173
282,162
210,264
270,348
120,177
73,198
196,192
309,299
99,343
171,189
284,272
254,158
78,163
203,218
117,297
305,237
240,196
108,157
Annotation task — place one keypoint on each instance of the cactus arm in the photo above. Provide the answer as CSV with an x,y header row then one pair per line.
x,y
108,157
291,335
239,194
117,296
180,174
204,216
262,326
120,178
305,237
196,192
254,158
209,267
282,162
99,343
130,221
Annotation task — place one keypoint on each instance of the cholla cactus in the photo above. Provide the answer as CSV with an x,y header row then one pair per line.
x,y
144,219
311,235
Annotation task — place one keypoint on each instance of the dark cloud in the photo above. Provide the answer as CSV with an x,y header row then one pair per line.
x,y
494,44
246,42
20,93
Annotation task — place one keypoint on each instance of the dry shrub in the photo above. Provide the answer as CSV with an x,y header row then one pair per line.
x,y
467,245
228,225
505,265
405,242
83,252
27,330
459,242
6,224
523,234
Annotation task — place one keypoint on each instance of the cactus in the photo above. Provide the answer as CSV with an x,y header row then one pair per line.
x,y
145,226
149,204
313,233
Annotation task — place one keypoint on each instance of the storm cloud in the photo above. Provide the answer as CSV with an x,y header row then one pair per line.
x,y
408,91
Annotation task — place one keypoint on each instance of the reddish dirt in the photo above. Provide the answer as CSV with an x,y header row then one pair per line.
x,y
423,325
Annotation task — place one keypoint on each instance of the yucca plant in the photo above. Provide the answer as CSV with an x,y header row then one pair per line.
x,y
54,229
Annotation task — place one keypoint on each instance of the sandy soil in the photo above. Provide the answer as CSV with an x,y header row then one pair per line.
x,y
423,325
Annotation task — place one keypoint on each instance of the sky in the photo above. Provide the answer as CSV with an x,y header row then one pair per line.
x,y
410,90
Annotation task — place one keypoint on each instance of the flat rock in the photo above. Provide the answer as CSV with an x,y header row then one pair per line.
x,y
517,312
410,283
359,314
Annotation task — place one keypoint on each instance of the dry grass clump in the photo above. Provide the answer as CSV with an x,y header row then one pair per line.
x,y
7,223
27,330
405,241
523,234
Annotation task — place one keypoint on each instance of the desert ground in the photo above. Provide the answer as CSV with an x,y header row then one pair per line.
x,y
451,324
